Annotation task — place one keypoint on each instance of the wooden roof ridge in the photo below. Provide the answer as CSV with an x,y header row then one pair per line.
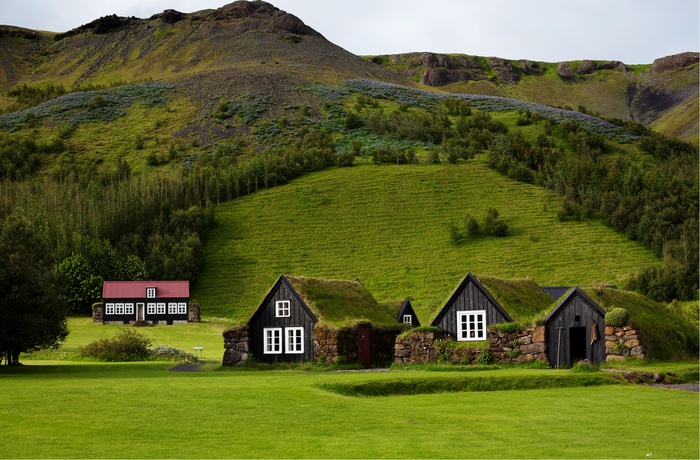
x,y
566,298
473,279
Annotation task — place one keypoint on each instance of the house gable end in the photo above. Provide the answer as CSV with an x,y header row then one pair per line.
x,y
281,281
407,309
570,297
458,291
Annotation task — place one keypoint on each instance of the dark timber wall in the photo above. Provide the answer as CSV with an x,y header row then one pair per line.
x,y
577,315
300,316
470,295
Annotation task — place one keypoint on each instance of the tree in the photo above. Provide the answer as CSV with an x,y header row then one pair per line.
x,y
85,271
31,315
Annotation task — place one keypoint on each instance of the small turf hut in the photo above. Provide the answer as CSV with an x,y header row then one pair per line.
x,y
575,330
407,315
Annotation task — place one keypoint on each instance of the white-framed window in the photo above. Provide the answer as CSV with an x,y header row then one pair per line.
x,y
273,341
172,308
282,308
160,308
182,308
151,293
294,340
109,309
471,325
128,308
118,308
408,319
151,308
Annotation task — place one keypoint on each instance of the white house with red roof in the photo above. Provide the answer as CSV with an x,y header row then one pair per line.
x,y
154,302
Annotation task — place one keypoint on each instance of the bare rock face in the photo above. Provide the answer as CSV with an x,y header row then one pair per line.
x,y
674,62
169,16
613,65
530,68
263,10
442,69
506,73
586,67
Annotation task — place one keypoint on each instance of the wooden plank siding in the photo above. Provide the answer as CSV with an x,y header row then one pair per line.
x,y
470,295
577,310
265,317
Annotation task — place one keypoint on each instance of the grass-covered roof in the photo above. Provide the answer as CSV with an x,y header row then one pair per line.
x,y
342,303
523,299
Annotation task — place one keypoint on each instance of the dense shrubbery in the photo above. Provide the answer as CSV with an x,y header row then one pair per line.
x,y
617,317
126,345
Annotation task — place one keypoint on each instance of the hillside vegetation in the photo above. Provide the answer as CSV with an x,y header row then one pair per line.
x,y
389,226
118,140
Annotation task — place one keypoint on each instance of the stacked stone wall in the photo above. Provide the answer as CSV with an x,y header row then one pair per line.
x,y
623,342
333,345
98,312
424,347
193,312
236,346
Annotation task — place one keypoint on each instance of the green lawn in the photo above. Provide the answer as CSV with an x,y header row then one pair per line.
x,y
140,410
388,226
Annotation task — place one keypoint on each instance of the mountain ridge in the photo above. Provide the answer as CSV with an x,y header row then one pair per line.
x,y
242,40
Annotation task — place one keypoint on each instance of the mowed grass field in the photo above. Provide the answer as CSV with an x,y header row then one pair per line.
x,y
142,410
388,226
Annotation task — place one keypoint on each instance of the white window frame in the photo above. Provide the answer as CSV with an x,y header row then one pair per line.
x,y
109,309
182,308
470,327
408,319
160,308
172,308
269,345
291,344
283,308
118,308
151,308
150,293
128,308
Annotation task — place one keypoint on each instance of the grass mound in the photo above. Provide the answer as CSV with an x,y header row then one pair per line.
x,y
397,387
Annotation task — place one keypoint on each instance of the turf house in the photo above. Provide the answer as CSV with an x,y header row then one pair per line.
x,y
309,319
575,330
489,319
469,311
407,315
151,302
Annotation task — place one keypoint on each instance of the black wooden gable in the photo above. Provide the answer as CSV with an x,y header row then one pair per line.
x,y
407,309
471,295
575,330
298,315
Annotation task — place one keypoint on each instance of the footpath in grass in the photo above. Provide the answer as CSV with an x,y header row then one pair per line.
x,y
89,410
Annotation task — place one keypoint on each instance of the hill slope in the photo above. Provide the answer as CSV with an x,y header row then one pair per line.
x,y
665,90
388,226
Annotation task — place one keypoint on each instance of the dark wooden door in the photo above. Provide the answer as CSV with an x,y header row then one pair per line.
x,y
363,344
577,344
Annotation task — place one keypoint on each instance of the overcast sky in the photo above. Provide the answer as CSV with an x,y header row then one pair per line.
x,y
631,31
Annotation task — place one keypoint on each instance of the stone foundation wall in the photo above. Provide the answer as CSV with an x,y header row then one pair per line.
x,y
340,344
623,342
193,312
518,347
425,347
98,312
236,346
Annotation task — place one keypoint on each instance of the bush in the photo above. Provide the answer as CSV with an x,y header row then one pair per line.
x,y
126,345
484,357
493,225
617,317
171,353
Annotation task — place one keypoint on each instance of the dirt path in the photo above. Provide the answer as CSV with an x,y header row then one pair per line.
x,y
187,367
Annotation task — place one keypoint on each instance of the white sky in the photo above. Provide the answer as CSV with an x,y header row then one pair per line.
x,y
631,31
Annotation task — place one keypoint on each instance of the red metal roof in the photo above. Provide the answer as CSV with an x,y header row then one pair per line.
x,y
137,289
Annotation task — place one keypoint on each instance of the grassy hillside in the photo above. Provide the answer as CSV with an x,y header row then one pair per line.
x,y
388,226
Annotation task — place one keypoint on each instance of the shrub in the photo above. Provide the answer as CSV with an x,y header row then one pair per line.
x,y
493,225
471,225
617,317
171,353
484,357
126,345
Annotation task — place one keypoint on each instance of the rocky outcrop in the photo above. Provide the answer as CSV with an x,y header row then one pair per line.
x,y
674,62
442,69
169,16
587,67
505,71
